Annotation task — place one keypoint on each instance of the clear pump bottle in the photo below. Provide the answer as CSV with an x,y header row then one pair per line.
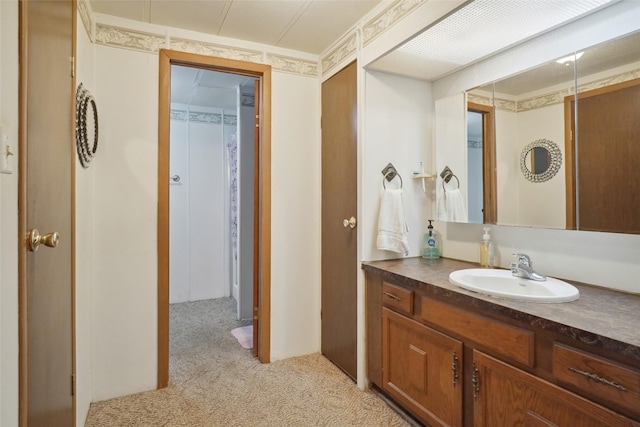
x,y
487,255
431,243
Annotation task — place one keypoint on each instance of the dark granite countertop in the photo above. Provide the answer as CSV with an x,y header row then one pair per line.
x,y
600,317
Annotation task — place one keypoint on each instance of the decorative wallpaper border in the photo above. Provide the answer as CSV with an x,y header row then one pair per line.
x,y
129,39
612,80
388,18
213,49
86,15
479,99
552,98
369,31
293,65
201,117
247,100
345,49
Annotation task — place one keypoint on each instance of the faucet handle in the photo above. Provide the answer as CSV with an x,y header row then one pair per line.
x,y
523,259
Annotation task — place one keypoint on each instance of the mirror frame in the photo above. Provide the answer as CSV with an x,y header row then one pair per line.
x,y
555,160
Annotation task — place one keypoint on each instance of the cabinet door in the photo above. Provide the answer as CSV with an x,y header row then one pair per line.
x,y
422,369
506,396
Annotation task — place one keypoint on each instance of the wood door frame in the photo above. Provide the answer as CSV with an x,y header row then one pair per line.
x,y
490,208
23,72
262,211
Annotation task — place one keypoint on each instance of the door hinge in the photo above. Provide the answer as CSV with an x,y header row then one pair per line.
x,y
73,66
73,384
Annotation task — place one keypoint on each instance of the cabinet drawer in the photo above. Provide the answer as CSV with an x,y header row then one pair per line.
x,y
508,341
396,297
602,379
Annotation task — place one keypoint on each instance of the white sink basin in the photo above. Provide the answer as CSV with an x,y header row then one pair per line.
x,y
501,283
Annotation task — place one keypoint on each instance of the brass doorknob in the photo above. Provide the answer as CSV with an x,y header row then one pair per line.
x,y
351,222
34,239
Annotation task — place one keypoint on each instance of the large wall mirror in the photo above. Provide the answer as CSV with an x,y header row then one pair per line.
x,y
533,156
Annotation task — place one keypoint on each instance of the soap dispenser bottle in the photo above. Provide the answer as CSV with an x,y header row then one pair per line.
x,y
487,256
431,243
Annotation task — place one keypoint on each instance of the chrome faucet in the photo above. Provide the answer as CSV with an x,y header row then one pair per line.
x,y
522,267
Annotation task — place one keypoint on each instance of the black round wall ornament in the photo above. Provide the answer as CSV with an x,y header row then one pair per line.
x,y
86,126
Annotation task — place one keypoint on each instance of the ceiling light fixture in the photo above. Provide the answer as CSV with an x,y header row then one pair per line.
x,y
570,58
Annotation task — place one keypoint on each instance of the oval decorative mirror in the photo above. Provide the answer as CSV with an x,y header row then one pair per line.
x,y
540,160
86,126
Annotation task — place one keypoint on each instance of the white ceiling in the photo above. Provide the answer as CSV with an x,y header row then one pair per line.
x,y
477,30
198,87
309,26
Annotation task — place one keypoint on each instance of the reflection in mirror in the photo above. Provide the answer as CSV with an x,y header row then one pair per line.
x,y
605,195
540,160
539,104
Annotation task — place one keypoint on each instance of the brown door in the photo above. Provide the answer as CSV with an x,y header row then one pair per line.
x,y
608,158
339,242
46,164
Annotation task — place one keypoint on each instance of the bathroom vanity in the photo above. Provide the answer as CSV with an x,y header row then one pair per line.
x,y
449,356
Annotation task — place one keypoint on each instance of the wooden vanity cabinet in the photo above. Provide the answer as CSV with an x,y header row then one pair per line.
x,y
422,369
506,396
416,345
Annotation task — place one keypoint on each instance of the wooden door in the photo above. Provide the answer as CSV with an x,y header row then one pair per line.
x,y
339,242
608,158
422,368
506,396
47,161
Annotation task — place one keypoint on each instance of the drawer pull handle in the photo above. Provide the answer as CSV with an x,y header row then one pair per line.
x,y
392,296
598,378
454,368
475,381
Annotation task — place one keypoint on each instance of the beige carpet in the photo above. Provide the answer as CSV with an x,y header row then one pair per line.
x,y
214,381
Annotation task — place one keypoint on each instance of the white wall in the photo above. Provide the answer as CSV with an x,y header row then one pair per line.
x,y
125,257
603,259
295,215
542,204
396,130
520,201
85,235
9,218
199,219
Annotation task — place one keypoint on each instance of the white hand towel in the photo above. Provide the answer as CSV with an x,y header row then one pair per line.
x,y
451,207
392,226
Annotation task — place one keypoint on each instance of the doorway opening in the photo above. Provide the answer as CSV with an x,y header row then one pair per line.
x,y
206,163
481,166
211,195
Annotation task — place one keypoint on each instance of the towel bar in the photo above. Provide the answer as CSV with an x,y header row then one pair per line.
x,y
395,174
446,176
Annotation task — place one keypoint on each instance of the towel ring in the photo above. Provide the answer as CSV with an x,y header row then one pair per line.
x,y
445,180
384,178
